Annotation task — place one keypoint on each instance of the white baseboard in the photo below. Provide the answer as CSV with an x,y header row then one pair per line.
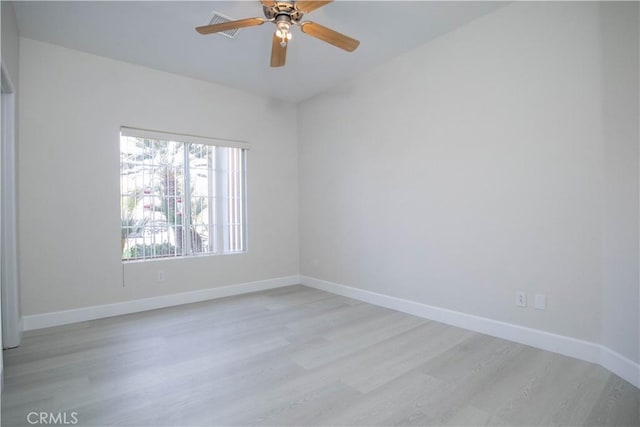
x,y
621,366
57,318
573,347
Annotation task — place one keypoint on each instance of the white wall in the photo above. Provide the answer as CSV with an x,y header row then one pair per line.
x,y
474,167
621,94
73,105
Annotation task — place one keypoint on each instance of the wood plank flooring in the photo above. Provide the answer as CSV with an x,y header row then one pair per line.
x,y
300,356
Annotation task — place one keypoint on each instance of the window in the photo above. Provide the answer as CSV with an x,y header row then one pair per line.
x,y
180,195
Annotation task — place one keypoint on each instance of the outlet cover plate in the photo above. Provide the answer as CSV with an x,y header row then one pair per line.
x,y
521,299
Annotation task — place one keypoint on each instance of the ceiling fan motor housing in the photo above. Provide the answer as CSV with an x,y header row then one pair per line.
x,y
282,10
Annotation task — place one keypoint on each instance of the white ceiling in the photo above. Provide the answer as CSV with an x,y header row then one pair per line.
x,y
161,35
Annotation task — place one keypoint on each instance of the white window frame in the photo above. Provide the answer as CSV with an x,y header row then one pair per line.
x,y
219,241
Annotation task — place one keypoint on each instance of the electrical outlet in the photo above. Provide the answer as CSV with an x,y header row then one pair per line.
x,y
160,276
521,299
540,302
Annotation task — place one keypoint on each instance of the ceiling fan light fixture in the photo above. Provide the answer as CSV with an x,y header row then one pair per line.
x,y
283,32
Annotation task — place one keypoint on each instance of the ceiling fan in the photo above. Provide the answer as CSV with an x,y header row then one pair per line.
x,y
286,14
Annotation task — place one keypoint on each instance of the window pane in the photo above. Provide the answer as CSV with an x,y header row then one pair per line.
x,y
202,189
151,178
234,199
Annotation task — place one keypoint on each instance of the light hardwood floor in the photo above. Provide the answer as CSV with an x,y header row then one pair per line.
x,y
299,356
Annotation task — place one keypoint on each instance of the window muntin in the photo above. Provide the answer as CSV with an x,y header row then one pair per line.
x,y
180,198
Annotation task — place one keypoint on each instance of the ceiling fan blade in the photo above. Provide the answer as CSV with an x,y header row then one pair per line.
x,y
232,25
268,3
328,35
306,6
278,53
